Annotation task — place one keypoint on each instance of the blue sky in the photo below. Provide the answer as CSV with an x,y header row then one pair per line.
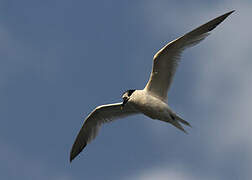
x,y
60,59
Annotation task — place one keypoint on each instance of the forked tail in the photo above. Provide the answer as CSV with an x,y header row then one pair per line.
x,y
176,120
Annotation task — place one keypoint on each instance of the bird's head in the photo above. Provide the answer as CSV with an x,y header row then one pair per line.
x,y
126,96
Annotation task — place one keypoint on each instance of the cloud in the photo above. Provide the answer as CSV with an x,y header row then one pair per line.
x,y
177,172
225,82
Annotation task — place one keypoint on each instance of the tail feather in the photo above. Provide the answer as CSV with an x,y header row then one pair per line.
x,y
182,120
176,120
177,125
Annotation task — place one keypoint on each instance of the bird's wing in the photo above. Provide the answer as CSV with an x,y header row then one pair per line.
x,y
100,115
166,59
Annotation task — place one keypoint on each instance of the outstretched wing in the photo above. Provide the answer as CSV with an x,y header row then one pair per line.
x,y
95,119
166,59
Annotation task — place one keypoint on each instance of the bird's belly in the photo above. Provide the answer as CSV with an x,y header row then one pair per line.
x,y
152,107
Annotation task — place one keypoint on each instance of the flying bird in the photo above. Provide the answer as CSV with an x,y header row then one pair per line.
x,y
152,100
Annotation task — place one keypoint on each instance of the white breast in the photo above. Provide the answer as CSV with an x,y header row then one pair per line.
x,y
149,105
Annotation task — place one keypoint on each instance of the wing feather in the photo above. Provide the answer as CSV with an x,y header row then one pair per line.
x,y
101,114
166,59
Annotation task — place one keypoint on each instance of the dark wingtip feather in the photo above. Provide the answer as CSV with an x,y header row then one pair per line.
x,y
228,13
231,12
75,152
220,19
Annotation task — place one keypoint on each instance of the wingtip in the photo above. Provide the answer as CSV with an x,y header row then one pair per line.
x,y
224,16
71,157
227,14
230,12
75,151
215,22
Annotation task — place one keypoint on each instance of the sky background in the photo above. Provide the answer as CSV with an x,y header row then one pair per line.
x,y
60,59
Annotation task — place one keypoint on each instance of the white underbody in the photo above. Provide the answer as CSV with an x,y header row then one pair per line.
x,y
150,105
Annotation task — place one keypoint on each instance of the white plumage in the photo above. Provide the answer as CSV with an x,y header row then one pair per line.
x,y
152,100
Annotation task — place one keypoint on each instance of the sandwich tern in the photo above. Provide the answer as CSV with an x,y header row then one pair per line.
x,y
152,100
